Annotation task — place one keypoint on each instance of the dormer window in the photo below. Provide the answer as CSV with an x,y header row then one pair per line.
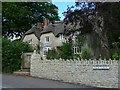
x,y
47,39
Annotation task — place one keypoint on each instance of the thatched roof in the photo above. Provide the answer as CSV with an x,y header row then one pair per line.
x,y
34,30
56,28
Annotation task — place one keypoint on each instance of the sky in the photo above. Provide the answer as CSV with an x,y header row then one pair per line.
x,y
62,6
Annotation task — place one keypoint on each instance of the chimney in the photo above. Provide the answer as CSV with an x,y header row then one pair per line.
x,y
39,25
46,22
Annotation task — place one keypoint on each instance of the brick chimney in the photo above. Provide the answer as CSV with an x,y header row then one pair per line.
x,y
39,25
46,22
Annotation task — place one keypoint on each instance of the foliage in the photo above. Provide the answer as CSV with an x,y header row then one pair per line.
x,y
76,56
113,36
18,17
53,54
115,49
116,56
100,18
66,51
110,12
77,19
79,41
86,52
11,54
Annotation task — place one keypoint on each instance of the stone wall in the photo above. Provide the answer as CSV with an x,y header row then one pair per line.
x,y
98,73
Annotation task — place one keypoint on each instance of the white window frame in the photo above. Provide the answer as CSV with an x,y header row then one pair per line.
x,y
30,41
61,36
47,41
45,50
75,50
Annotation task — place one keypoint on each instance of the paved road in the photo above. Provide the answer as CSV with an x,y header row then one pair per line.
x,y
12,81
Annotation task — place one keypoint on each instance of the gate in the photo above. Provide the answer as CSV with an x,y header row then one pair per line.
x,y
26,61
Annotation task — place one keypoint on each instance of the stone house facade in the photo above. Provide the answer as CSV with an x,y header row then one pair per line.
x,y
46,35
32,36
51,37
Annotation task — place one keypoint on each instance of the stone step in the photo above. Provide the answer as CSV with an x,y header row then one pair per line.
x,y
22,73
25,70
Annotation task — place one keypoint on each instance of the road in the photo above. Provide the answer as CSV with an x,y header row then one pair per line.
x,y
13,81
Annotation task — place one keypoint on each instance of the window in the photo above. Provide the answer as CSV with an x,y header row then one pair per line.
x,y
75,50
46,49
30,41
61,36
47,39
45,52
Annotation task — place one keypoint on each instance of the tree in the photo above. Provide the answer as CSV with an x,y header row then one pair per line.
x,y
94,18
110,12
18,17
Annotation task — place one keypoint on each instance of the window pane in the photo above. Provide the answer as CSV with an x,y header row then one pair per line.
x,y
47,39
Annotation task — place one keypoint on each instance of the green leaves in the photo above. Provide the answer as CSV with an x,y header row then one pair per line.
x,y
19,16
116,56
11,54
86,52
66,51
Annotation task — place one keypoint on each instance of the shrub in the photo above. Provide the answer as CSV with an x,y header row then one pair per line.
x,y
116,56
66,51
76,56
86,52
52,54
11,54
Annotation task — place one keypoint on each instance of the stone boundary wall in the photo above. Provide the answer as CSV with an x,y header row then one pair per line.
x,y
98,73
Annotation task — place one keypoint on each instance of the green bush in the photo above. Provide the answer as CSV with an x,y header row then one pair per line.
x,y
76,56
86,52
116,56
66,51
52,54
11,54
